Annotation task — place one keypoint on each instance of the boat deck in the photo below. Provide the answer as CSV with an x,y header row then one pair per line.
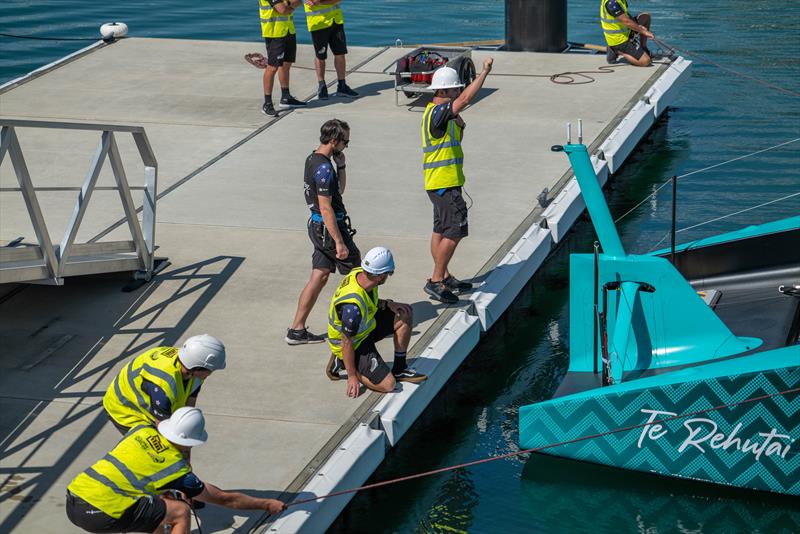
x,y
231,220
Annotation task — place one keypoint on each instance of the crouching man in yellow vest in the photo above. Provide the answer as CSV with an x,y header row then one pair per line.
x,y
357,319
625,35
443,168
326,25
144,483
154,384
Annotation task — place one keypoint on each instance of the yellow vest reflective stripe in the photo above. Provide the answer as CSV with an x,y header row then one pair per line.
x,y
274,24
351,292
125,401
141,463
323,16
614,31
443,157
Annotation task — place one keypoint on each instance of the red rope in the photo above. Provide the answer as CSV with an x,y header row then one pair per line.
x,y
537,449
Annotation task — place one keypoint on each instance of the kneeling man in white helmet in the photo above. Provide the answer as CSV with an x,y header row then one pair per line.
x,y
145,483
154,384
358,319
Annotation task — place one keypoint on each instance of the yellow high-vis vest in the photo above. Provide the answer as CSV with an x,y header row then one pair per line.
x,y
274,24
323,16
350,292
614,31
140,464
129,405
442,158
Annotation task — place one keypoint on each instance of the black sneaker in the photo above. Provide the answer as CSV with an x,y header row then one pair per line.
x,y
345,91
301,337
439,292
269,109
611,56
409,375
291,102
335,369
322,92
455,285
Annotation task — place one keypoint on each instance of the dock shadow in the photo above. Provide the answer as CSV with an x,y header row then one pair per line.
x,y
98,303
364,91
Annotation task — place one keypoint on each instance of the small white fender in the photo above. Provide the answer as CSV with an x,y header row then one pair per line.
x,y
113,30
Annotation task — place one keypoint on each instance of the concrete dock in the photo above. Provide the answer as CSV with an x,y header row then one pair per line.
x,y
232,222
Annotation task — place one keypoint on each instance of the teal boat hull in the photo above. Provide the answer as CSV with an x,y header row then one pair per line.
x,y
713,422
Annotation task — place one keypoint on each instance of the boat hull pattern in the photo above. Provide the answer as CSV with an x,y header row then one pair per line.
x,y
672,426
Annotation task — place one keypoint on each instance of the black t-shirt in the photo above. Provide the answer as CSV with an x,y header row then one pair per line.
x,y
320,179
441,115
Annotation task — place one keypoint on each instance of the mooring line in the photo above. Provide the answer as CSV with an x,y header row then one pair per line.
x,y
728,69
541,448
704,169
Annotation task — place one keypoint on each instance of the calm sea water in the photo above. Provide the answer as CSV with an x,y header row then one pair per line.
x,y
717,117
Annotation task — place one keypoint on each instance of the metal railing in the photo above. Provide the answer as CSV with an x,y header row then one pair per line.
x,y
46,263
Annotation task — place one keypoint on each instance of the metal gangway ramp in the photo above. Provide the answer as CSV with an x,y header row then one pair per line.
x,y
47,263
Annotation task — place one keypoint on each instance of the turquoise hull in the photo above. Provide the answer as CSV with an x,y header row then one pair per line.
x,y
697,380
755,444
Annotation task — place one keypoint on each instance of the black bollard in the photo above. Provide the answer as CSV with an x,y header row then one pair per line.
x,y
536,25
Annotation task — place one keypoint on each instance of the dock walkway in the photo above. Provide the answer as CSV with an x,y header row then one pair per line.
x,y
232,221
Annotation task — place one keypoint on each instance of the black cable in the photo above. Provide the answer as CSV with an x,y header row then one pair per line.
x,y
35,38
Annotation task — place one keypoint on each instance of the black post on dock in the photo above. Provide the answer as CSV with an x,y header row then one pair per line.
x,y
674,207
596,297
536,25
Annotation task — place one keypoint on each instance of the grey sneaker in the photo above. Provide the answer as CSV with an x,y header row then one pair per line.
x,y
455,285
611,56
439,291
269,109
302,337
322,92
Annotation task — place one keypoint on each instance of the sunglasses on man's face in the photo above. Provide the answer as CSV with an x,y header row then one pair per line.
x,y
345,142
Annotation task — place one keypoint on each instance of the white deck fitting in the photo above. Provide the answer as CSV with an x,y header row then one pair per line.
x,y
232,223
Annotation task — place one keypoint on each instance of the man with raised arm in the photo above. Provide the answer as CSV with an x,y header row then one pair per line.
x,y
443,168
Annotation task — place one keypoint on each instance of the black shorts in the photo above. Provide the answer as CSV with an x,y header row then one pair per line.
x,y
333,37
632,47
449,213
281,49
144,516
324,256
368,359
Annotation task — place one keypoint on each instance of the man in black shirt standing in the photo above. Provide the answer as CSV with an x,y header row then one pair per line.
x,y
328,227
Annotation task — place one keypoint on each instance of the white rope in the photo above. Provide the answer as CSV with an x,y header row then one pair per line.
x,y
737,212
654,193
724,217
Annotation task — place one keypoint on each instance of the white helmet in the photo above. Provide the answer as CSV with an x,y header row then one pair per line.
x,y
186,427
378,260
445,78
202,351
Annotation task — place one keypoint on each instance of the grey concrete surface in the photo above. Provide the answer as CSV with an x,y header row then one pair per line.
x,y
235,237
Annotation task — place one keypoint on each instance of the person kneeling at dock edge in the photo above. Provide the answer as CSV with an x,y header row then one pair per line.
x,y
358,319
443,168
328,227
154,384
144,483
626,35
